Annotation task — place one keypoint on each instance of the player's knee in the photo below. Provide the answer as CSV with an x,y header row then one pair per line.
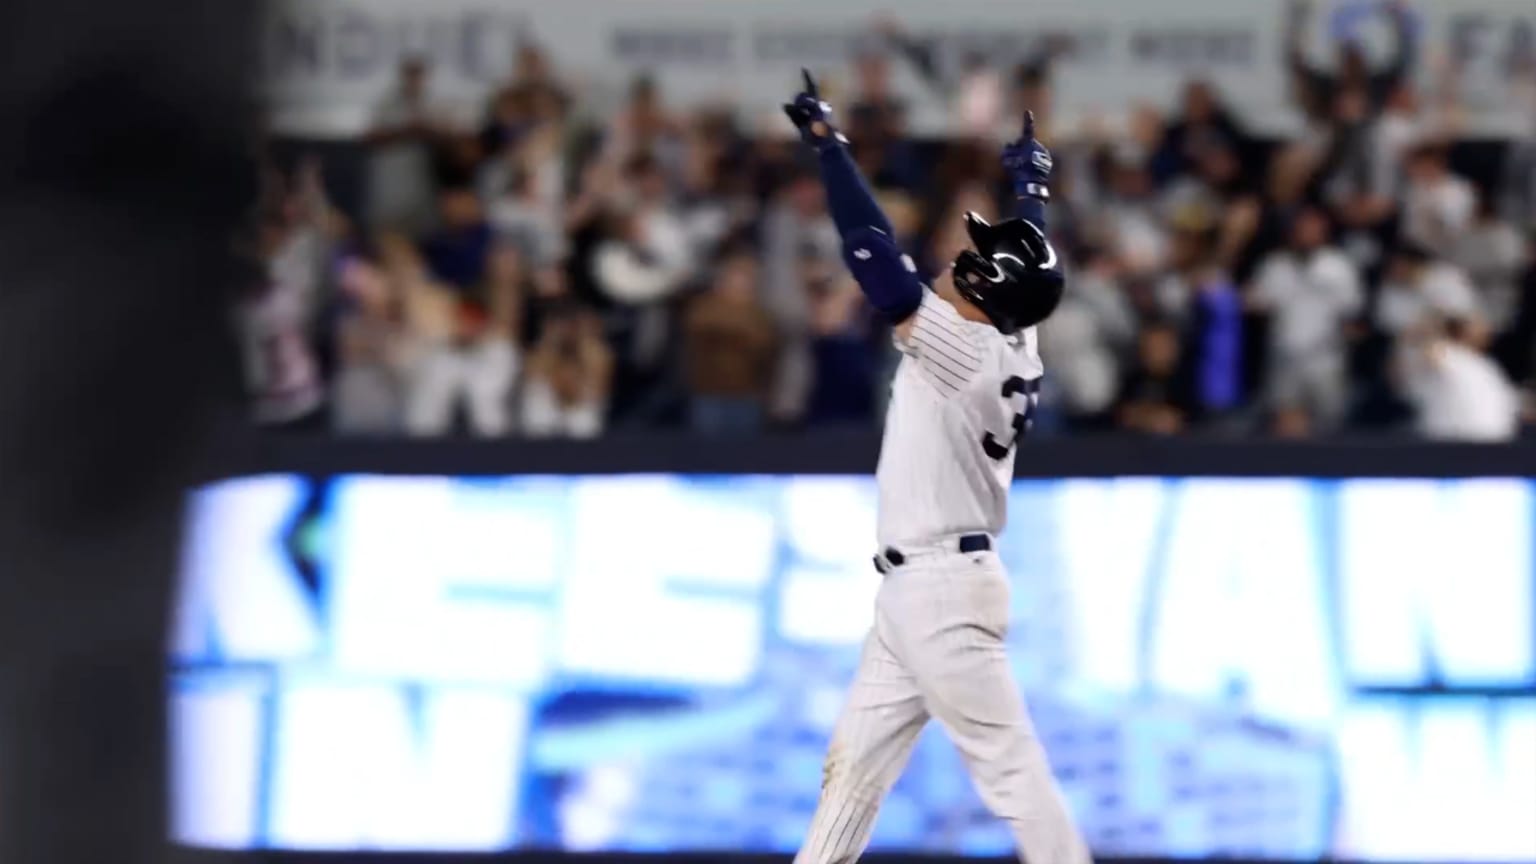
x,y
850,782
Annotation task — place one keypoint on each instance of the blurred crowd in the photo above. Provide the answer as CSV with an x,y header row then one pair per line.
x,y
558,273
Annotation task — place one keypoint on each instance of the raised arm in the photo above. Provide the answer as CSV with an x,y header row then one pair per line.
x,y
1405,48
1296,19
848,195
1029,164
1306,81
885,275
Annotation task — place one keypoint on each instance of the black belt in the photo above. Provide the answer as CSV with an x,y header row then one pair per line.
x,y
968,543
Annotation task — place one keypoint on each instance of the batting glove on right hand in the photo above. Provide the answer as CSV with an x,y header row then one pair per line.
x,y
813,117
1029,163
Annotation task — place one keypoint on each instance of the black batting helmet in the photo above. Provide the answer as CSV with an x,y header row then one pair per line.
x,y
1012,275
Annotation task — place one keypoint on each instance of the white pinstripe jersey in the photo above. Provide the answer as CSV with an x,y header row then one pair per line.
x,y
962,394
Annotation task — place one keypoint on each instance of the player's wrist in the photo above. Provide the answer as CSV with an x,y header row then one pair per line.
x,y
1032,189
823,137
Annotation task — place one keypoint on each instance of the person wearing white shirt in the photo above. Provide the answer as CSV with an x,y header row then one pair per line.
x,y
1493,255
1438,206
799,241
1393,135
1419,287
1310,291
1092,331
1458,392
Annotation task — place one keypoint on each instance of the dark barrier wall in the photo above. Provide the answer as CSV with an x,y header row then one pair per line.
x,y
203,857
856,452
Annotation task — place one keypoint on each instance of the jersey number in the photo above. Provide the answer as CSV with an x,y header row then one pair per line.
x,y
1014,386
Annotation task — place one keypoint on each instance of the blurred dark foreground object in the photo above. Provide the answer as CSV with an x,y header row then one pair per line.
x,y
122,183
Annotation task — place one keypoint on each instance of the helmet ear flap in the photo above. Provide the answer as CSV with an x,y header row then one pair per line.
x,y
967,266
1033,239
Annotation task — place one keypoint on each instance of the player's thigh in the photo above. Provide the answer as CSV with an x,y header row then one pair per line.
x,y
960,661
880,720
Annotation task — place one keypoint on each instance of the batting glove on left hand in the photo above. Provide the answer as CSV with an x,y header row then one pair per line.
x,y
813,117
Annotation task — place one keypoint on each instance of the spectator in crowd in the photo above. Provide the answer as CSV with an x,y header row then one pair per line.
x,y
530,100
877,123
730,349
463,357
1402,124
367,393
1517,183
406,130
643,262
457,250
569,376
1218,190
842,345
507,119
1156,397
1349,242
1516,346
587,222
980,100
1419,287
1438,206
798,238
1203,124
1458,392
278,311
877,113
1315,87
1492,253
1127,219
522,182
1032,90
1310,291
1289,188
715,193
647,254
645,128
534,70
1089,339
1362,198
528,215
1213,322
1350,175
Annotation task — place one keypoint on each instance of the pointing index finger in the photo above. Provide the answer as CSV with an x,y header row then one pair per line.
x,y
1029,124
810,83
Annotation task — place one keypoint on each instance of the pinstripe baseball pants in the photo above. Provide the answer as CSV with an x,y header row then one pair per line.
x,y
936,650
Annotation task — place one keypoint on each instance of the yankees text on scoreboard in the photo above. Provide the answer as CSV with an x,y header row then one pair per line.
x,y
372,650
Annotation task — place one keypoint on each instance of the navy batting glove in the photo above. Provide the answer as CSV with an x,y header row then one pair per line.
x,y
813,117
1029,163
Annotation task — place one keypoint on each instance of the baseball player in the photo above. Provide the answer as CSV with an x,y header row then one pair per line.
x,y
961,398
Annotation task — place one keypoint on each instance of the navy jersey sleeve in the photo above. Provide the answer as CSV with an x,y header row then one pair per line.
x,y
886,275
